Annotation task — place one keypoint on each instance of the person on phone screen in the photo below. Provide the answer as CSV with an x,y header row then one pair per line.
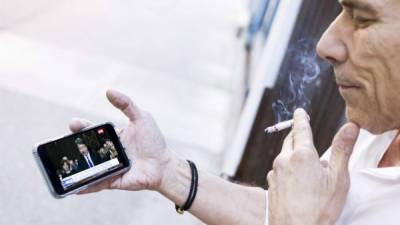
x,y
87,159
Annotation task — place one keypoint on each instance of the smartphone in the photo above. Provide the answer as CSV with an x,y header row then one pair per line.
x,y
74,162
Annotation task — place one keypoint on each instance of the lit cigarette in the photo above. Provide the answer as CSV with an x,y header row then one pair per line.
x,y
280,126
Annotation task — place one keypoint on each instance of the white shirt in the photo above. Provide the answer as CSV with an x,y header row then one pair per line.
x,y
374,195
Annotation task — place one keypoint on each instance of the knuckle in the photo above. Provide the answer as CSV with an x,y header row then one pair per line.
x,y
341,148
338,142
300,156
280,162
125,103
303,146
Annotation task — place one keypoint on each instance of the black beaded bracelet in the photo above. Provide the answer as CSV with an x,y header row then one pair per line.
x,y
193,189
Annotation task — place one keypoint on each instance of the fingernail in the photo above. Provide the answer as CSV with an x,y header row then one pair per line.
x,y
300,111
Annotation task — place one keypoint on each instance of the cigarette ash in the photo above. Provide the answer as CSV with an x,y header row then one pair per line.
x,y
304,74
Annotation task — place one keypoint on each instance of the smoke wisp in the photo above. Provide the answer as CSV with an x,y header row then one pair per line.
x,y
303,75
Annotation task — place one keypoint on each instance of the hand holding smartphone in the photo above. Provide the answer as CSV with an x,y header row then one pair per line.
x,y
67,170
77,161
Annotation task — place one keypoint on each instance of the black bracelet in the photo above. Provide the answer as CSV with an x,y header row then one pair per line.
x,y
193,189
196,183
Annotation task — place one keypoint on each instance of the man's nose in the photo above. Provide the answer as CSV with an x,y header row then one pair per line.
x,y
331,46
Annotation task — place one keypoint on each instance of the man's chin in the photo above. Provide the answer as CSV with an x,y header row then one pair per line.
x,y
372,124
375,130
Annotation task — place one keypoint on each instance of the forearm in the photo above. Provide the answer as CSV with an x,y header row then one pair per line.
x,y
218,202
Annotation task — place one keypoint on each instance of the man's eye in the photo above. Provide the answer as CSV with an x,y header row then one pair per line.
x,y
362,21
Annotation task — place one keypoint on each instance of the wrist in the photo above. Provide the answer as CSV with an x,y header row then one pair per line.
x,y
176,180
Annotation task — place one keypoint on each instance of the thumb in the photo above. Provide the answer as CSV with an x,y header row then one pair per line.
x,y
124,103
78,124
342,147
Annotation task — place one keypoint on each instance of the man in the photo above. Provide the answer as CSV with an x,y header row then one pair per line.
x,y
109,145
67,167
363,46
88,159
108,151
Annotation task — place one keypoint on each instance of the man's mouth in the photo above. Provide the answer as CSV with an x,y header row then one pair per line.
x,y
348,86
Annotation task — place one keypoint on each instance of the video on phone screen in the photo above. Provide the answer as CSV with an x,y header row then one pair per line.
x,y
82,157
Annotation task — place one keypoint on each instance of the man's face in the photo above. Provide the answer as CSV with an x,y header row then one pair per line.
x,y
363,45
65,166
109,144
83,149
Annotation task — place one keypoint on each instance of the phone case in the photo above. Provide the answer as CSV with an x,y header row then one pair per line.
x,y
47,179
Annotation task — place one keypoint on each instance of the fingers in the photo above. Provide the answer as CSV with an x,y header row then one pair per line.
x,y
287,146
106,184
302,133
123,103
77,124
342,147
93,189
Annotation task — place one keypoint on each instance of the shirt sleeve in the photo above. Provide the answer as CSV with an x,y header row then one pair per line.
x,y
266,208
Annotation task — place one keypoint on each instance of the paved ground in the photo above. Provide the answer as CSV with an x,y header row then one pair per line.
x,y
174,58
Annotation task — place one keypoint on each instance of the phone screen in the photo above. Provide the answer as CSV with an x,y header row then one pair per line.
x,y
81,158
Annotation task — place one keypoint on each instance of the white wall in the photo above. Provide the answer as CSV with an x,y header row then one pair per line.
x,y
14,11
265,76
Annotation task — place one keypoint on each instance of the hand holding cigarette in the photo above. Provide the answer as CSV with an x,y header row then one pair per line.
x,y
281,126
301,188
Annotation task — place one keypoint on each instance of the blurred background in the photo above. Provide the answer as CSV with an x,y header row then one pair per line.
x,y
209,72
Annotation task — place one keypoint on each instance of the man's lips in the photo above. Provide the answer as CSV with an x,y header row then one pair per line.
x,y
347,86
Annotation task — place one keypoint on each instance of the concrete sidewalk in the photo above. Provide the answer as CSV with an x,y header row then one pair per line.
x,y
174,58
